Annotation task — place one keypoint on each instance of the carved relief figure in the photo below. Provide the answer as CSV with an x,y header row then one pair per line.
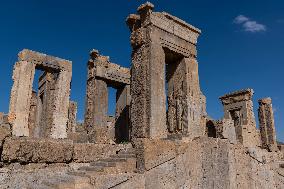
x,y
236,116
179,111
171,113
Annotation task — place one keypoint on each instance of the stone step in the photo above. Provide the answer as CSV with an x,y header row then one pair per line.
x,y
92,168
123,155
127,151
74,182
116,159
103,164
110,180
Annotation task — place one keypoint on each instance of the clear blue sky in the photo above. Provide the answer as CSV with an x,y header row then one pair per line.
x,y
241,45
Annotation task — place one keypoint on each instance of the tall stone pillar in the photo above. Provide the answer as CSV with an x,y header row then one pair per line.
x,y
61,104
195,100
122,127
72,117
32,114
20,98
96,101
266,124
148,116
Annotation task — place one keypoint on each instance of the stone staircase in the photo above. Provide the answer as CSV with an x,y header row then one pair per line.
x,y
103,173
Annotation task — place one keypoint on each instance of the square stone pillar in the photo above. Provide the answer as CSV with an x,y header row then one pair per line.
x,y
266,124
72,117
195,100
33,114
122,122
20,98
61,105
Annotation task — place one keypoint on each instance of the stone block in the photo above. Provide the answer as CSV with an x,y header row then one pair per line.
x,y
28,150
91,152
78,137
5,131
151,153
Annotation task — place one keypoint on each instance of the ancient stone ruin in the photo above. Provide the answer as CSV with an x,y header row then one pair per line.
x,y
160,136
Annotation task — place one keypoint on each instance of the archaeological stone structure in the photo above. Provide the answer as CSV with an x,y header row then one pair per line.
x,y
164,69
238,107
101,75
52,101
160,135
266,124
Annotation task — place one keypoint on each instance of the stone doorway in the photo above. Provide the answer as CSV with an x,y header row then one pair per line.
x,y
27,108
174,90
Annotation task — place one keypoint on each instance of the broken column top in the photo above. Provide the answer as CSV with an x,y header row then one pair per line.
x,y
265,101
145,7
43,60
103,61
164,21
237,96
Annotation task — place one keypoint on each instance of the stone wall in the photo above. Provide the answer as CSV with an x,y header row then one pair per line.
x,y
207,163
30,150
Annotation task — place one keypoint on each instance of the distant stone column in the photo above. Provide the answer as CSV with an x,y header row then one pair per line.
x,y
266,124
72,114
21,93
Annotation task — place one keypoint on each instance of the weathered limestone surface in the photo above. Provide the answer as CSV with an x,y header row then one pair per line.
x,y
211,163
61,104
92,152
21,94
37,151
72,117
266,124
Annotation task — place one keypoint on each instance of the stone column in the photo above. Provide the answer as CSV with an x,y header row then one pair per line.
x,y
61,104
266,124
122,125
21,93
148,111
96,101
72,120
33,114
195,100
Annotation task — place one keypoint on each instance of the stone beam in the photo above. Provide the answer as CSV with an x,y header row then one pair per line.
x,y
45,61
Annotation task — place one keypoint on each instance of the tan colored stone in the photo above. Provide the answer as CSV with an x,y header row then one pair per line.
x,y
28,150
84,152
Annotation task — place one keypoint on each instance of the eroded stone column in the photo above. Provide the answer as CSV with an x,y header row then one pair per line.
x,y
20,98
266,124
96,101
61,104
122,127
195,100
33,114
72,117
